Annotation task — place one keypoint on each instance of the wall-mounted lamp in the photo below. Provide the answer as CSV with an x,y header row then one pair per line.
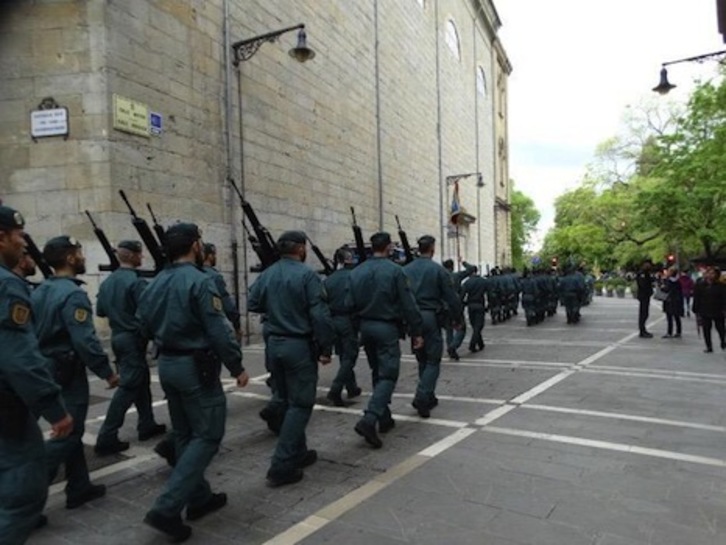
x,y
664,86
245,49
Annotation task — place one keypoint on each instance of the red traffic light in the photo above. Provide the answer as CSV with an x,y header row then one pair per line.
x,y
671,258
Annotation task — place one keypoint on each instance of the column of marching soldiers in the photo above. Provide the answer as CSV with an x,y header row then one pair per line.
x,y
48,340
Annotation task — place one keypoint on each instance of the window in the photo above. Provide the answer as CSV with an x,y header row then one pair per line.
x,y
452,39
481,82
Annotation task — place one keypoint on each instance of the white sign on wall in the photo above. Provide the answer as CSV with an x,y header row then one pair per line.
x,y
53,122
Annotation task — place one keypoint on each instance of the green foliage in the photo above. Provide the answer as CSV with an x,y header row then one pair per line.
x,y
525,216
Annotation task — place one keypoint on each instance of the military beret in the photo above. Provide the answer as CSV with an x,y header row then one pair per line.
x,y
63,242
380,239
10,218
130,245
183,232
427,240
298,237
209,248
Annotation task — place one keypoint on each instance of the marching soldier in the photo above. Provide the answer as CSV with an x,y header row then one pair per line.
x,y
455,337
299,335
26,390
337,286
383,301
474,292
66,335
181,310
118,298
435,296
230,309
572,292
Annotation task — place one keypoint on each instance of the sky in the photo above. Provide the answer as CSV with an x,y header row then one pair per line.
x,y
578,65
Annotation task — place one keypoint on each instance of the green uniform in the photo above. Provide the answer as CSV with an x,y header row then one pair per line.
x,y
435,296
66,335
118,298
299,328
383,301
337,286
27,390
230,309
572,291
455,337
530,296
181,310
474,292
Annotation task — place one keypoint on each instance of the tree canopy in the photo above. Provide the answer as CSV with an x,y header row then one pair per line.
x,y
525,217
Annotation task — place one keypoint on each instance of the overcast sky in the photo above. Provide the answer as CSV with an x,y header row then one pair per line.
x,y
577,65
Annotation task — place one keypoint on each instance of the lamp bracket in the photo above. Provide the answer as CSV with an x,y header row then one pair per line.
x,y
244,50
716,55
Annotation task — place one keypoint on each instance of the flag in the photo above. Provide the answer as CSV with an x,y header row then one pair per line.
x,y
455,211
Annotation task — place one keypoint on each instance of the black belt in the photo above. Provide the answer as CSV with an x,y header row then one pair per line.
x,y
167,351
392,322
341,313
307,336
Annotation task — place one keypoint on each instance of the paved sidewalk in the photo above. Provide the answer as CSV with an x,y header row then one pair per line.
x,y
554,434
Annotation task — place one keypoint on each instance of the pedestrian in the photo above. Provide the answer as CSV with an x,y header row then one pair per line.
x,y
473,295
439,304
181,310
673,305
230,308
300,335
709,306
64,324
337,286
687,285
455,337
383,301
118,299
27,390
644,281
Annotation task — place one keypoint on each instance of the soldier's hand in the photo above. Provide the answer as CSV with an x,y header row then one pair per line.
x,y
238,335
62,428
325,360
242,379
113,381
417,343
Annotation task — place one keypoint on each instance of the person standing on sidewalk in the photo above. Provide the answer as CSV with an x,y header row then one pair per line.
x,y
182,311
300,335
118,298
673,305
64,324
644,281
709,306
687,285
383,301
439,304
337,286
27,390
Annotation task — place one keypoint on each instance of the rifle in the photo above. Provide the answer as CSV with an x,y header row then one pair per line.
x,y
328,266
101,236
37,256
157,253
158,229
256,247
360,246
267,249
404,242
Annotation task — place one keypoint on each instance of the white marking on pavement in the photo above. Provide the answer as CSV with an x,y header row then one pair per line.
x,y
606,445
546,385
654,376
447,442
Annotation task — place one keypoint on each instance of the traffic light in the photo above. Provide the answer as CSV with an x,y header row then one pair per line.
x,y
554,262
670,259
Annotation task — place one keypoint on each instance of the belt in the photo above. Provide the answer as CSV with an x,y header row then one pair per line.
x,y
168,351
341,313
306,336
393,322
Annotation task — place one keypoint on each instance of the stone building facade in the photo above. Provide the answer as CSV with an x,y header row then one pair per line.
x,y
400,95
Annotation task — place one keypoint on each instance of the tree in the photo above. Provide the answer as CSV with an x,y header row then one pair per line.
x,y
525,217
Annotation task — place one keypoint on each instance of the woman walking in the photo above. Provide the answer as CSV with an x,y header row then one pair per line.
x,y
673,305
709,306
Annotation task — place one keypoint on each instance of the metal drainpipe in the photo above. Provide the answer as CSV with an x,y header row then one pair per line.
x,y
440,182
378,116
476,145
242,188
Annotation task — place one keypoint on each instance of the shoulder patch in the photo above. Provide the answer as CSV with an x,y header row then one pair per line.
x,y
217,303
20,314
80,315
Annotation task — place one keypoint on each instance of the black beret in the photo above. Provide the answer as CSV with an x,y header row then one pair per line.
x,y
10,218
298,237
131,245
183,232
63,242
380,239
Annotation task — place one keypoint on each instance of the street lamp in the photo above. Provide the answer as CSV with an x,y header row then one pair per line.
x,y
245,49
451,180
664,85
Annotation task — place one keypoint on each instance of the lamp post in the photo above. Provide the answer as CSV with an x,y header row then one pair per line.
x,y
244,50
454,180
664,86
